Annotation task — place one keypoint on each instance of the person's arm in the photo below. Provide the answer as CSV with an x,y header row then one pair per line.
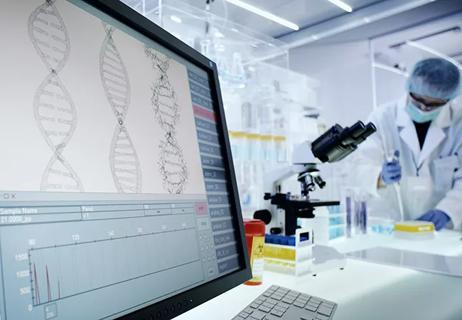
x,y
368,161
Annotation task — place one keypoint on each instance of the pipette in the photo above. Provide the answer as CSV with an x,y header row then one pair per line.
x,y
391,154
390,158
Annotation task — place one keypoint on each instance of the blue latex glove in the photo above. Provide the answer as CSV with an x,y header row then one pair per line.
x,y
438,217
391,170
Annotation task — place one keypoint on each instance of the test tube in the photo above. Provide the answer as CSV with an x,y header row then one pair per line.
x,y
363,216
349,213
357,217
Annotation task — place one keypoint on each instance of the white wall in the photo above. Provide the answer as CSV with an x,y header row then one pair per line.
x,y
390,86
343,70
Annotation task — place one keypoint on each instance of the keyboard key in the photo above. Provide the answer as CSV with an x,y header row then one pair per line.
x,y
255,305
288,300
328,304
243,314
238,318
299,304
325,311
248,310
316,304
277,313
279,309
321,317
305,296
310,307
283,305
258,315
264,309
269,305
315,300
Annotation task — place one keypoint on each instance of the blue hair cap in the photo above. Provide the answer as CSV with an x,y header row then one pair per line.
x,y
436,78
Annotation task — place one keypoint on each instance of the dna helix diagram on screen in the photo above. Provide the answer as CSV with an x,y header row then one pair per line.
x,y
54,110
172,165
124,162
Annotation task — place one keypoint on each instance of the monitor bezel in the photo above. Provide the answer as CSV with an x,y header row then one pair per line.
x,y
182,302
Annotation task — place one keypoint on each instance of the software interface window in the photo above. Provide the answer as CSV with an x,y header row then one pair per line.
x,y
113,188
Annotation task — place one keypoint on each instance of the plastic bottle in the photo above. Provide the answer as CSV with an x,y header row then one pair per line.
x,y
253,143
237,145
255,237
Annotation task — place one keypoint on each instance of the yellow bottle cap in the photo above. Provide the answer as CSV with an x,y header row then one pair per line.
x,y
237,134
279,138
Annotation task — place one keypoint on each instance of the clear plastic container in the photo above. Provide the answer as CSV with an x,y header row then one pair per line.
x,y
249,117
254,146
381,225
280,148
267,150
237,144
266,107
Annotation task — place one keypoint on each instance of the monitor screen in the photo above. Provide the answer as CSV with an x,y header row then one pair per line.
x,y
116,185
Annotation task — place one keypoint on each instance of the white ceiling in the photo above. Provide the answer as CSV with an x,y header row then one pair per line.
x,y
443,36
302,12
421,15
308,13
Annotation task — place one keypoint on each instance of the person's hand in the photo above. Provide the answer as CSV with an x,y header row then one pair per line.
x,y
438,217
391,170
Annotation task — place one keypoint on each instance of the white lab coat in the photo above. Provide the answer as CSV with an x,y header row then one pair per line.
x,y
431,177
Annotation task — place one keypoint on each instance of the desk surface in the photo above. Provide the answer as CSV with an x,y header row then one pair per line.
x,y
363,290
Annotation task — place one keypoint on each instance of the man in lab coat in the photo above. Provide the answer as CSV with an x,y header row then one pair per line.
x,y
417,150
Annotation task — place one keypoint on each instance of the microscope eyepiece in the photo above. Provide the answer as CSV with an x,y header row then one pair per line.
x,y
338,142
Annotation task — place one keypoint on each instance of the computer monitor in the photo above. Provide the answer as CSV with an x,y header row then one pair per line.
x,y
118,196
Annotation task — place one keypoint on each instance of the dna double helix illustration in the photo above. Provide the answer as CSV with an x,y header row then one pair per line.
x,y
123,158
172,165
54,109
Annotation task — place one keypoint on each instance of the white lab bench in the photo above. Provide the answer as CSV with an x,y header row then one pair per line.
x,y
363,290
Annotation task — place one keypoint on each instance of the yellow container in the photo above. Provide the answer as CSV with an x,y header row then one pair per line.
x,y
417,230
414,226
280,252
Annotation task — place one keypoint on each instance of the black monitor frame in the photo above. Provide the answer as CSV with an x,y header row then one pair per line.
x,y
187,300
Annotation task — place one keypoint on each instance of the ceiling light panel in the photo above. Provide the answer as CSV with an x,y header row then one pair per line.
x,y
264,13
342,5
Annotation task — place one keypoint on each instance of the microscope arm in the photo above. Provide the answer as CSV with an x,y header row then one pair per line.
x,y
302,156
332,146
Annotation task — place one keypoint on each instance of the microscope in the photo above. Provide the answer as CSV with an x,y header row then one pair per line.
x,y
332,146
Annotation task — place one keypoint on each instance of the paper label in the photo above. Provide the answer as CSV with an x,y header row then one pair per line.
x,y
257,258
